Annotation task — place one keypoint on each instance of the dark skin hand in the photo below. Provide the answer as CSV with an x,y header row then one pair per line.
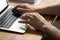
x,y
31,15
48,10
24,8
39,22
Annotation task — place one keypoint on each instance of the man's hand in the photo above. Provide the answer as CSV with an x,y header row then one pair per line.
x,y
34,19
25,8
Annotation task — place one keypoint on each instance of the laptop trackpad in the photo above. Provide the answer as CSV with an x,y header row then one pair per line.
x,y
16,26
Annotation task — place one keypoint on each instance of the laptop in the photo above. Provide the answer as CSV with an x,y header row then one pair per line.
x,y
9,20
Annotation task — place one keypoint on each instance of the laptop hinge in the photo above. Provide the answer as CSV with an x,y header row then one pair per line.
x,y
4,9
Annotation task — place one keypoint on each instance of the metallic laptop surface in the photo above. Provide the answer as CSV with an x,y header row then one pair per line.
x,y
9,20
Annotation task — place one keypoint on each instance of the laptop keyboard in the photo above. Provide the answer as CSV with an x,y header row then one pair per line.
x,y
8,20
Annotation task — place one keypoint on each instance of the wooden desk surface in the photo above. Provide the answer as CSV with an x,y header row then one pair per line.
x,y
31,34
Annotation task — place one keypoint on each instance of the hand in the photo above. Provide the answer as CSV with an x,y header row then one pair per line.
x,y
34,19
25,8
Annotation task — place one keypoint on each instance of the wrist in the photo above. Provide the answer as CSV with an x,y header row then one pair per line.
x,y
41,26
44,26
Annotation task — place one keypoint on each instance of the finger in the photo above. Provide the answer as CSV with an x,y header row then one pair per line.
x,y
20,10
19,6
23,21
15,8
23,10
22,6
26,16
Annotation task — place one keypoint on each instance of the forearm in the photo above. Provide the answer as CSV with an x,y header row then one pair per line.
x,y
52,31
49,10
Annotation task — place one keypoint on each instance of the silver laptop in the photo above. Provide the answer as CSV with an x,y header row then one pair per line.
x,y
9,20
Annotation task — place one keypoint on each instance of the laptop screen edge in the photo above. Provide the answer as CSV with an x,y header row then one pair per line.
x,y
4,8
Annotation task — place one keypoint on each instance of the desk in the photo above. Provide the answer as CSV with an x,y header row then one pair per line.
x,y
31,34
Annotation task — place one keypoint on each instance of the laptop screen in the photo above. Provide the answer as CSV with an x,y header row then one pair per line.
x,y
3,4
